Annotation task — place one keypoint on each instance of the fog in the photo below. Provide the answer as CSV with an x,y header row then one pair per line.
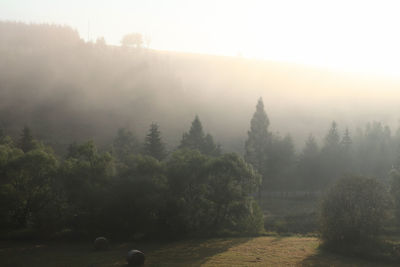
x,y
69,90
139,145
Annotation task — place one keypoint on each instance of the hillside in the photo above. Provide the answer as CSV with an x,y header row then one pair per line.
x,y
66,89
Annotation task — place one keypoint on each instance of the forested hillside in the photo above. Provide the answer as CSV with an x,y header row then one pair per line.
x,y
69,90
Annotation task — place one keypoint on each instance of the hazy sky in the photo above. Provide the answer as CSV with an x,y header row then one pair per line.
x,y
353,35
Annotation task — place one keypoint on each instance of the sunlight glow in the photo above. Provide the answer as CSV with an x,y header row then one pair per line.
x,y
352,35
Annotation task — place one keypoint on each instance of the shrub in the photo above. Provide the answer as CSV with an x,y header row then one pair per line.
x,y
353,212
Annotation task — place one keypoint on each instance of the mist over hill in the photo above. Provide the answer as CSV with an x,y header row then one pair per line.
x,y
69,90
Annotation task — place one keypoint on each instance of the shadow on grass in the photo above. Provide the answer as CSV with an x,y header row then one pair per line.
x,y
192,252
179,253
326,258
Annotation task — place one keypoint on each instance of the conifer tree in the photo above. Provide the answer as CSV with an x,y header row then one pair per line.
x,y
346,140
332,139
26,141
259,138
153,145
331,155
196,139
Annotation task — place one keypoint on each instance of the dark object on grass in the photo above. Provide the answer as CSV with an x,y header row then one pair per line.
x,y
101,243
135,258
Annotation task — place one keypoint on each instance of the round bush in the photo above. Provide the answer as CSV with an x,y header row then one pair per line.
x,y
101,243
353,211
135,258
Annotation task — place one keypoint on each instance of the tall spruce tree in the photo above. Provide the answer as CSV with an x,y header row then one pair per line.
x,y
196,139
153,145
346,140
259,140
332,139
331,155
26,141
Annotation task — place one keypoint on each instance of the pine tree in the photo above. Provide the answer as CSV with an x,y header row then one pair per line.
x,y
153,145
258,140
331,155
332,138
196,139
26,141
346,140
209,146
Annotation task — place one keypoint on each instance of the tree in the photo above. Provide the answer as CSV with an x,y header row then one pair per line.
x,y
26,141
281,164
309,165
395,191
259,140
153,145
375,152
332,138
125,144
210,194
231,182
86,179
132,40
331,160
353,212
196,139
138,198
30,178
101,41
346,140
347,155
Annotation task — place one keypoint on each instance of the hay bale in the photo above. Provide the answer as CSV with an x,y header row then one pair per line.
x,y
135,258
101,243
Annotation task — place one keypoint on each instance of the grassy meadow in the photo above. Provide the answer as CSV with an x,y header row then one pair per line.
x,y
258,251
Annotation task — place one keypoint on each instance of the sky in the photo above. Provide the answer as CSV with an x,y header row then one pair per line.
x,y
360,36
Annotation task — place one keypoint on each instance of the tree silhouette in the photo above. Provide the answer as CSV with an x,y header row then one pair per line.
x,y
153,145
196,139
258,140
132,40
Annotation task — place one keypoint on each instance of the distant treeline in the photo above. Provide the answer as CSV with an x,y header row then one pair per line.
x,y
135,189
69,90
373,152
131,191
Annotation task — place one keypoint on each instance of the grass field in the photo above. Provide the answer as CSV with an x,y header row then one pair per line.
x,y
259,251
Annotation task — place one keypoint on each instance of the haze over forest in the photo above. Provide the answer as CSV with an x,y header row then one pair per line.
x,y
69,90
163,144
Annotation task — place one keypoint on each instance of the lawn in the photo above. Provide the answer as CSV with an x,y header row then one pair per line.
x,y
259,251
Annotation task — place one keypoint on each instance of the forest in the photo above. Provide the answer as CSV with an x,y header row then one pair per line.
x,y
138,144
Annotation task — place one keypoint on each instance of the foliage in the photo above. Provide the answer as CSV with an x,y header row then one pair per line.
x,y
353,212
153,145
86,177
271,155
211,194
395,192
197,140
26,141
138,197
132,40
125,144
259,139
309,167
28,185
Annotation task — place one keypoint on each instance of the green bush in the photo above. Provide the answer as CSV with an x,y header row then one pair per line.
x,y
353,212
